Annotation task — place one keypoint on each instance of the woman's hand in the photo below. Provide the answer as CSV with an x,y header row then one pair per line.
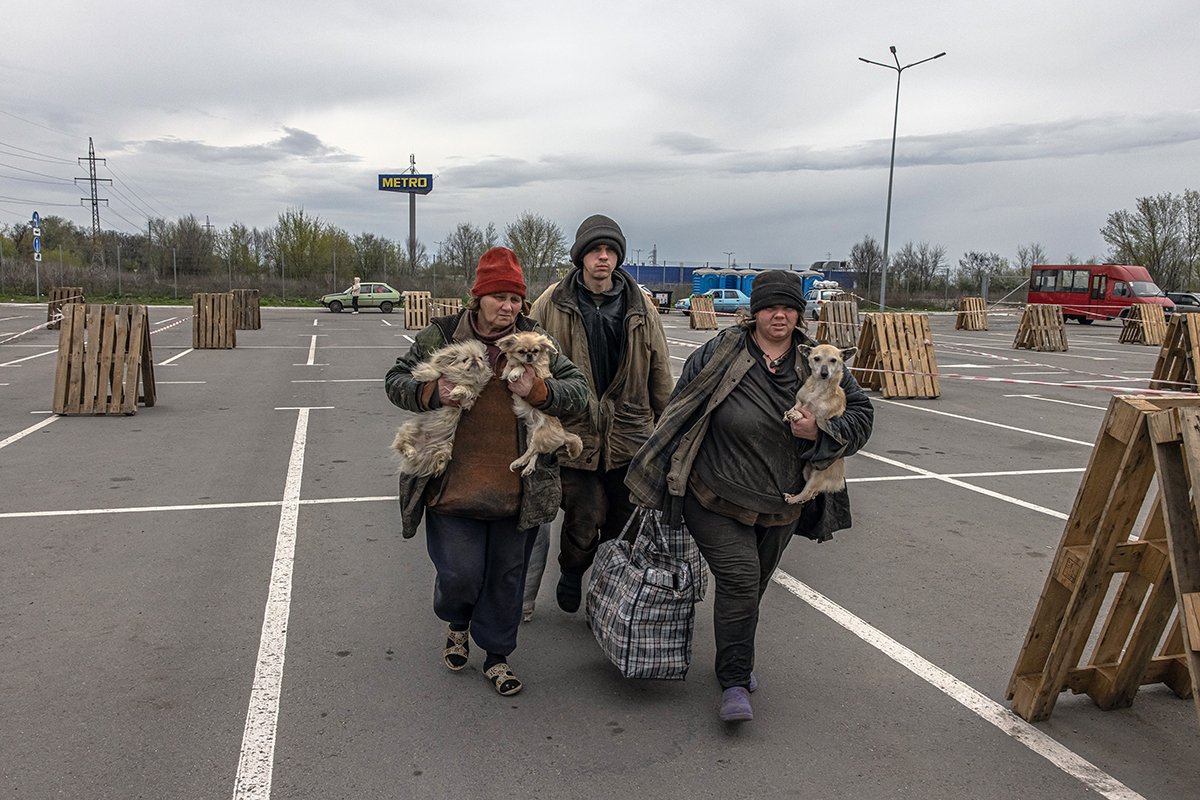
x,y
445,387
804,424
524,384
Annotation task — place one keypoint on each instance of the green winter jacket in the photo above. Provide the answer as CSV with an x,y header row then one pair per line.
x,y
567,393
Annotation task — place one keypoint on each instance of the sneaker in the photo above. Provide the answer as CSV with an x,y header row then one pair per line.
x,y
735,705
569,592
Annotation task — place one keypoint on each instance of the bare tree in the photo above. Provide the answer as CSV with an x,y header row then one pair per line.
x,y
974,265
460,251
539,244
866,258
1153,236
918,264
1030,254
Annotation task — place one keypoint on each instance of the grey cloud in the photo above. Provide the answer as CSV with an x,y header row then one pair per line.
x,y
687,143
295,143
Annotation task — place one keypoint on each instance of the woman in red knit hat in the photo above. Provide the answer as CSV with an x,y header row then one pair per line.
x,y
481,517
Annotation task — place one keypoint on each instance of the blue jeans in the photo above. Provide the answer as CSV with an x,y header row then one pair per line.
x,y
480,575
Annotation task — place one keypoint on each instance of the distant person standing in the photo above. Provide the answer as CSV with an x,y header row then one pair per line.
x,y
611,330
355,291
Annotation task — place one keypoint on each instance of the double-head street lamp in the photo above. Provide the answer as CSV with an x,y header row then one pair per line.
x,y
887,224
728,258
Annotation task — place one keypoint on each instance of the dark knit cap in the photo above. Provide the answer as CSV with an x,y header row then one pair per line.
x,y
498,271
777,287
596,230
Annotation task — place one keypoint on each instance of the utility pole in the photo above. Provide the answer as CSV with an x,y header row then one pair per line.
x,y
97,249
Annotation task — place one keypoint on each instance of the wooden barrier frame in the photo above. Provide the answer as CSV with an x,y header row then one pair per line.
x,y
838,324
416,310
895,356
444,306
1096,545
1144,323
246,313
1180,354
1041,329
972,315
58,297
213,321
103,356
703,316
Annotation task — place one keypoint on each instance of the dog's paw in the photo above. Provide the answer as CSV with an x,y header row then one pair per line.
x,y
514,374
574,446
791,415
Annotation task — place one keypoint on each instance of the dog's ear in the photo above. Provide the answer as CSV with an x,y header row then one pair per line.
x,y
804,350
848,353
507,342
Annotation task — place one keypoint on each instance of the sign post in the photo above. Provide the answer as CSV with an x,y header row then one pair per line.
x,y
412,184
36,224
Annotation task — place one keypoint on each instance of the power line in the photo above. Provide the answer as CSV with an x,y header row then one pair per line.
x,y
129,183
31,172
34,202
47,157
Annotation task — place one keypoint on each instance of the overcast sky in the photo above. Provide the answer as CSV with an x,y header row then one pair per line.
x,y
701,127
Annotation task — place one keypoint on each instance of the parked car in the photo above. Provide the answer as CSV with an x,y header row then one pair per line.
x,y
818,297
372,295
1185,301
725,301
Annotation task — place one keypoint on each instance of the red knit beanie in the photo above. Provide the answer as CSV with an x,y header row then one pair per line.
x,y
498,271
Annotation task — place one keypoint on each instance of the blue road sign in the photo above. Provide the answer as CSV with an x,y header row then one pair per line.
x,y
37,244
37,220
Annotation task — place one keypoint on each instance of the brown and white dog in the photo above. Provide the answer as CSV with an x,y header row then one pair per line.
x,y
546,433
426,441
821,395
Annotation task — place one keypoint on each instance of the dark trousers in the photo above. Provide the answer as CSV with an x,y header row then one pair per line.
x,y
742,559
354,301
595,509
480,575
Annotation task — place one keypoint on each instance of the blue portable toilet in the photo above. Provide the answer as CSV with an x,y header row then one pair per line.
x,y
705,279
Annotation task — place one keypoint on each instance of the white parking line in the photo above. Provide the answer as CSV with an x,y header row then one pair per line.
x,y
984,707
253,778
28,358
16,437
985,422
1059,402
174,358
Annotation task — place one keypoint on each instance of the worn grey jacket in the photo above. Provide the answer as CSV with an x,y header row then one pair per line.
x,y
658,474
567,393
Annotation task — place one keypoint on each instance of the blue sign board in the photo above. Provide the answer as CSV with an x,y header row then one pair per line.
x,y
408,182
37,220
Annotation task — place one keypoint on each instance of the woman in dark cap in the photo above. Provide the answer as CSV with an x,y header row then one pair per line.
x,y
722,458
480,516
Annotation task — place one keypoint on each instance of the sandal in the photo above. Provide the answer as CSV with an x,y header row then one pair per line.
x,y
503,679
456,651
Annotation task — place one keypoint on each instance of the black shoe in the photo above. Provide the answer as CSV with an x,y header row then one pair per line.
x,y
569,592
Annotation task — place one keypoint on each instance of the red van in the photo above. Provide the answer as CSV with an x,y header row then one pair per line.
x,y
1088,292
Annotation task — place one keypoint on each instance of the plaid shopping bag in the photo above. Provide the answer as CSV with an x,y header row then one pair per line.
x,y
641,603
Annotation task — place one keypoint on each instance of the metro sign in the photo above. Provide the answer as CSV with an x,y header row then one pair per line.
x,y
408,182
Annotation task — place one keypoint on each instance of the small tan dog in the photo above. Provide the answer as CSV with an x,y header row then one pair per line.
x,y
822,395
546,433
426,442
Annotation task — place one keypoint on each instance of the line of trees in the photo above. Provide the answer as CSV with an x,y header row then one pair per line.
x,y
300,255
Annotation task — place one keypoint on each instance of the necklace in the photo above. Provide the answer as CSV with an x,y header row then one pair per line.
x,y
773,362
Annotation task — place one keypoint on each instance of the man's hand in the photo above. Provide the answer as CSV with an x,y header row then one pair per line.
x,y
522,385
804,426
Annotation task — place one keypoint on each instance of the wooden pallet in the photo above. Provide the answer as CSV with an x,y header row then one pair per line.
x,y
246,313
1144,323
445,306
972,315
1176,366
895,356
213,321
416,310
1097,546
103,357
703,316
838,323
1041,329
60,296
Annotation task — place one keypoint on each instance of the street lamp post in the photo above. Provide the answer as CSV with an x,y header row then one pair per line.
x,y
887,223
728,258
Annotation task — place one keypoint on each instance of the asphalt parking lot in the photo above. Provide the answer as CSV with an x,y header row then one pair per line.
x,y
215,589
